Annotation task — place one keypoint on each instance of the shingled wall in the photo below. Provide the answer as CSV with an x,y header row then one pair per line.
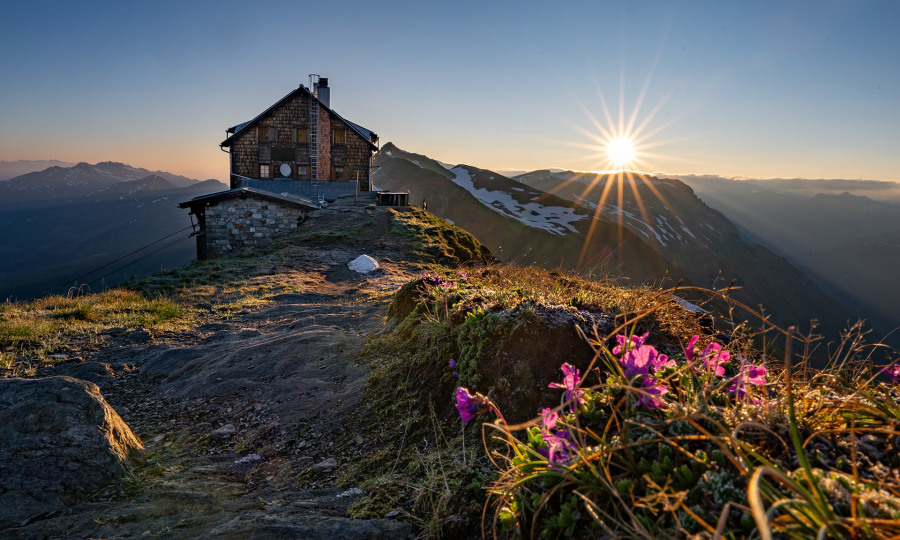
x,y
248,151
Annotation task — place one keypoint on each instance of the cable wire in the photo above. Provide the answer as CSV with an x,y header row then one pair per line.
x,y
142,257
76,280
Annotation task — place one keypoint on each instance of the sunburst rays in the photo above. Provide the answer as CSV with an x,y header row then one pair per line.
x,y
620,145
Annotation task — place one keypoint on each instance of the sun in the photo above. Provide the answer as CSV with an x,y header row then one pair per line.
x,y
620,152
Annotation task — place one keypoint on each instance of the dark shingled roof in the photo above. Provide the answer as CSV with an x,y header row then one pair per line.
x,y
290,200
240,128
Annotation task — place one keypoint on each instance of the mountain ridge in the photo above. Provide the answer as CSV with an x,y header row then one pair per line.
x,y
65,222
46,187
699,245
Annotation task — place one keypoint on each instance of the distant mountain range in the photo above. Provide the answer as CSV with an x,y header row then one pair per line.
x,y
63,184
878,190
849,244
63,223
642,227
12,169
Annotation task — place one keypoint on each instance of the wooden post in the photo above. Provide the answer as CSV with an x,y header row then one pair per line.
x,y
356,195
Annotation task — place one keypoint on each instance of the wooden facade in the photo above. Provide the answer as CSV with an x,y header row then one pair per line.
x,y
278,144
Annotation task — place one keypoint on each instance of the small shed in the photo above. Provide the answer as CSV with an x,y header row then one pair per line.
x,y
234,220
388,198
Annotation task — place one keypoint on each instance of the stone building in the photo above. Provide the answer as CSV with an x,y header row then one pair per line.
x,y
234,220
302,147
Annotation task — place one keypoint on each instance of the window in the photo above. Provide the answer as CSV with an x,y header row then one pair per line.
x,y
301,172
265,133
264,171
340,136
302,135
339,173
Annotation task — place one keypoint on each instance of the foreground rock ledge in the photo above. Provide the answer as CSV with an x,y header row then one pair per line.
x,y
60,442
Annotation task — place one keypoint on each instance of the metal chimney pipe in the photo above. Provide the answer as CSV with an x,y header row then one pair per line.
x,y
323,92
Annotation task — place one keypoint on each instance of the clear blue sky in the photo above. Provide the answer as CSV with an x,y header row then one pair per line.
x,y
789,89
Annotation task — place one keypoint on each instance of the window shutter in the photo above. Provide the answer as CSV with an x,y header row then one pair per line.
x,y
272,134
262,133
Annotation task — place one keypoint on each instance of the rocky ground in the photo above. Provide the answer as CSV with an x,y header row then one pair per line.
x,y
247,421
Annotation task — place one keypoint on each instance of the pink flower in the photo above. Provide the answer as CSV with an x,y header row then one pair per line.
x,y
749,374
689,351
651,399
571,380
626,345
644,360
893,371
560,450
661,361
757,375
469,405
549,419
713,358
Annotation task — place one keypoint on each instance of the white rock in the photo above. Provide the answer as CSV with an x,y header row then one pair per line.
x,y
352,492
227,429
363,264
249,458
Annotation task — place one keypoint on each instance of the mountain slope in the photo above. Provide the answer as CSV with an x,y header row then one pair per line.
x,y
560,222
827,235
705,246
518,223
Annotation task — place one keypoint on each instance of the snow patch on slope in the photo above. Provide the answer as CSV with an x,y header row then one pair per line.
x,y
554,219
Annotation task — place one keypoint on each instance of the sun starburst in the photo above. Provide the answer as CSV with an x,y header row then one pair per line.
x,y
619,146
620,152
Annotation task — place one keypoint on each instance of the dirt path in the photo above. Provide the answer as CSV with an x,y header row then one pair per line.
x,y
247,422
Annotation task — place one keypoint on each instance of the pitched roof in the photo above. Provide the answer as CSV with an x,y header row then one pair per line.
x,y
240,128
205,200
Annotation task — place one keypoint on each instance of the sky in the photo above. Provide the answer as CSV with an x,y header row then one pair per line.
x,y
747,89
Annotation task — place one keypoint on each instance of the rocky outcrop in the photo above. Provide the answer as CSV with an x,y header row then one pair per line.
x,y
60,442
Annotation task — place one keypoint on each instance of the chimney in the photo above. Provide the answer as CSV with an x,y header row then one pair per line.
x,y
323,92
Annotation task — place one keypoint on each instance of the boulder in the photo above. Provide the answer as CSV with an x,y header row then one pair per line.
x,y
60,442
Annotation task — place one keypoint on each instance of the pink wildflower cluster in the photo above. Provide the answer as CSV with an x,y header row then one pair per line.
x,y
637,358
713,359
437,281
640,359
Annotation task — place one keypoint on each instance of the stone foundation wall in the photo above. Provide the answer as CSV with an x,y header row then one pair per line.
x,y
234,225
